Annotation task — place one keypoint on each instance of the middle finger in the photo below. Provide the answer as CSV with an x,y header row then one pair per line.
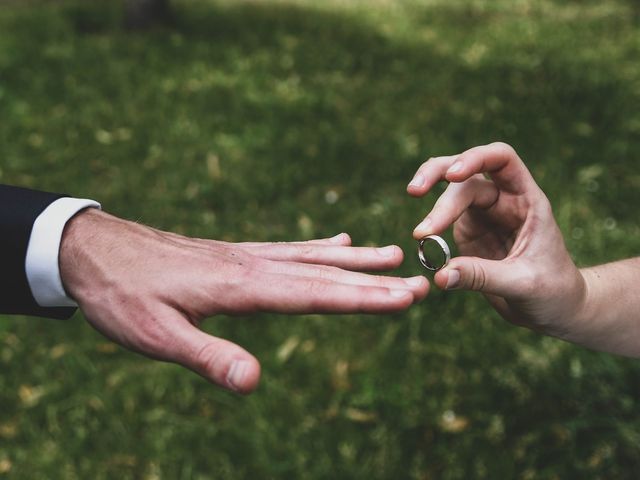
x,y
456,199
419,285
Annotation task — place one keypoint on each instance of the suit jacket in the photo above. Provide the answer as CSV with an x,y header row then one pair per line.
x,y
19,208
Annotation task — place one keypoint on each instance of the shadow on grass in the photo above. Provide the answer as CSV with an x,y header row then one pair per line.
x,y
329,95
382,104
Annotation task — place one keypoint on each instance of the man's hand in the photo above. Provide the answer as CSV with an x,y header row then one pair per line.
x,y
512,248
149,290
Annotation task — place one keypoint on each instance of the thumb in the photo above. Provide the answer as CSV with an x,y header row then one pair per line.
x,y
219,361
504,278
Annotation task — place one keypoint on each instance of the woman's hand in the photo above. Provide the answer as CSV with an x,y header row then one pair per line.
x,y
512,249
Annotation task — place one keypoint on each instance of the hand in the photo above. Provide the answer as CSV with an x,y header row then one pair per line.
x,y
149,290
512,249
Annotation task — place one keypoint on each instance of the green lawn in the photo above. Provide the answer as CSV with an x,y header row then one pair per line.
x,y
236,123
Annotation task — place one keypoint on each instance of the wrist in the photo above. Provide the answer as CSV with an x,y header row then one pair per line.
x,y
74,247
587,326
584,312
568,309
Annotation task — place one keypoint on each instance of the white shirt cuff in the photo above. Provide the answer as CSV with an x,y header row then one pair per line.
x,y
41,265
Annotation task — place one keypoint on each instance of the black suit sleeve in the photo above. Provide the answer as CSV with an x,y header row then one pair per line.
x,y
19,208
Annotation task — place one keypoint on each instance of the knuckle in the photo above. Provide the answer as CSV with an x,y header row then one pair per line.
x,y
318,288
328,273
502,146
438,209
543,207
504,150
363,298
229,290
235,261
210,360
531,283
381,281
478,278
152,338
475,182
304,251
426,162
242,267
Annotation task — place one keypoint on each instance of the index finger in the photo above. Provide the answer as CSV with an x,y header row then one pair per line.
x,y
500,161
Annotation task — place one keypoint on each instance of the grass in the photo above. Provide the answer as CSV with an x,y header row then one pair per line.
x,y
246,121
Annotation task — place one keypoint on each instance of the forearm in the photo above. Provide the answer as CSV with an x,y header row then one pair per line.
x,y
610,317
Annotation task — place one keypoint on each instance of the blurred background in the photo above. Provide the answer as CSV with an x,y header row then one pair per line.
x,y
284,120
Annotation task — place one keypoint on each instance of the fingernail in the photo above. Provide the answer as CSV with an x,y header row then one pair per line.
x,y
414,281
417,181
453,279
398,293
236,373
424,227
386,251
455,167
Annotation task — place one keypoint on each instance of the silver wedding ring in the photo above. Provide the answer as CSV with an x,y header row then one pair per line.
x,y
426,262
